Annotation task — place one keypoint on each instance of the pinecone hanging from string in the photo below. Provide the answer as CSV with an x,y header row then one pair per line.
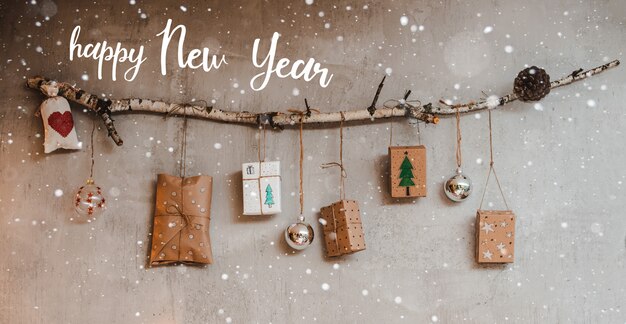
x,y
532,84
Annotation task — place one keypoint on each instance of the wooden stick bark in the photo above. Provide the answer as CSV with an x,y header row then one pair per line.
x,y
427,113
495,102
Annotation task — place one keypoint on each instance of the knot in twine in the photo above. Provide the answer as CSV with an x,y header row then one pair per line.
x,y
178,212
402,103
303,113
327,165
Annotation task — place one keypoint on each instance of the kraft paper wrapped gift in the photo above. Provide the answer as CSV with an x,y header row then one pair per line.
x,y
182,221
408,171
495,236
261,188
343,230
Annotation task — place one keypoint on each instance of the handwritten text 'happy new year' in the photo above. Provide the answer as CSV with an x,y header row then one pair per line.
x,y
196,58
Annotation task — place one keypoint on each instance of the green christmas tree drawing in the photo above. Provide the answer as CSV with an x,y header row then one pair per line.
x,y
269,197
406,174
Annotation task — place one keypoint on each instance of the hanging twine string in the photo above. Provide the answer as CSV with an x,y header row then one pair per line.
x,y
390,132
263,144
492,169
459,157
261,161
343,175
419,134
93,161
400,104
183,150
302,115
301,170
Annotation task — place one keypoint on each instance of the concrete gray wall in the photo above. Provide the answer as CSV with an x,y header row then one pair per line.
x,y
561,165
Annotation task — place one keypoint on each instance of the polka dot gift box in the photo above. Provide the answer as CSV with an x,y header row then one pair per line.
x,y
182,221
343,230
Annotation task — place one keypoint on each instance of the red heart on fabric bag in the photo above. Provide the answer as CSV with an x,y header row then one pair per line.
x,y
62,123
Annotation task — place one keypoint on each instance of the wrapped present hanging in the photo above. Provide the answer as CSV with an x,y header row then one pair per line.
x,y
343,230
342,227
408,171
182,221
58,125
261,188
495,236
495,229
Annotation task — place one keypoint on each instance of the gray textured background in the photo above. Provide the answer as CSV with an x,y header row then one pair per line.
x,y
561,164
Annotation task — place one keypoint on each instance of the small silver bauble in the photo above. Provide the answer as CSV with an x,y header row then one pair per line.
x,y
458,187
299,235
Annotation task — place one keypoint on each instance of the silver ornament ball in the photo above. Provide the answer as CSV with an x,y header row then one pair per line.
x,y
458,187
299,235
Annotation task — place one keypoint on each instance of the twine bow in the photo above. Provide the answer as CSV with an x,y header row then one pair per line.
x,y
401,104
179,212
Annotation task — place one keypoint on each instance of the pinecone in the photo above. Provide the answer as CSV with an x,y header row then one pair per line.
x,y
532,84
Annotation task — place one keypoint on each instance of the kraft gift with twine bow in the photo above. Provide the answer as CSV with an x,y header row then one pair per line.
x,y
182,216
342,226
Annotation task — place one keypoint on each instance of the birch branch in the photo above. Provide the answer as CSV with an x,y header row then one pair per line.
x,y
493,102
104,107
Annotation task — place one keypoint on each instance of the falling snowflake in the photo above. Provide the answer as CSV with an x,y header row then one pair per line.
x,y
404,20
493,101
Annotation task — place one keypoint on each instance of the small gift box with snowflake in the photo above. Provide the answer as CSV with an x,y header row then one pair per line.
x,y
495,236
